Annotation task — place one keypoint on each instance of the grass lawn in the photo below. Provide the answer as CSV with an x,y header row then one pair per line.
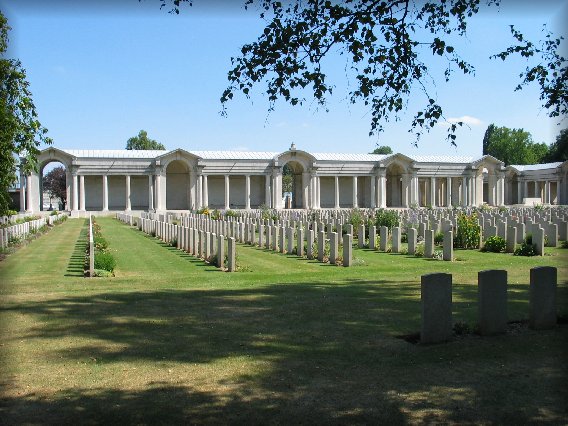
x,y
171,339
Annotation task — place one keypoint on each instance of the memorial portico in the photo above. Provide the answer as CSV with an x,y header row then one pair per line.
x,y
110,180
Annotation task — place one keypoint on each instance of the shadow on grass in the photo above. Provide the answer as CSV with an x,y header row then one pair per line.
x,y
76,265
329,351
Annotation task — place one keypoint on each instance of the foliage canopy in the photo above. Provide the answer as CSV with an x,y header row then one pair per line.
x,y
21,133
54,182
513,146
143,142
386,45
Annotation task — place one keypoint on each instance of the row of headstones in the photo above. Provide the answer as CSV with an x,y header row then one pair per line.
x,y
412,238
493,222
436,303
288,237
13,218
22,230
202,244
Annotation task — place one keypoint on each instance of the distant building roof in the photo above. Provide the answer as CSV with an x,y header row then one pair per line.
x,y
529,167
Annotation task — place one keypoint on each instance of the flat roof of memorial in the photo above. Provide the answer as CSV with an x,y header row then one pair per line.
x,y
261,155
529,167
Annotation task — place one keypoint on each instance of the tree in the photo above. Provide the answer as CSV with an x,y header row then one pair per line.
x,y
558,151
21,133
287,179
515,146
385,150
143,142
487,137
386,44
54,182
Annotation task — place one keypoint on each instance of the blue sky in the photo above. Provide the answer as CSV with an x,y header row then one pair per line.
x,y
101,71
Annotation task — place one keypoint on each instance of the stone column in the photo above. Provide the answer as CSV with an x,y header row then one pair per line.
x,y
68,190
413,189
75,193
82,193
519,194
22,193
318,192
160,187
525,190
355,203
128,201
336,192
433,191
267,200
546,192
383,190
150,192
448,191
105,193
464,191
500,189
205,192
227,193
373,192
305,191
247,192
536,191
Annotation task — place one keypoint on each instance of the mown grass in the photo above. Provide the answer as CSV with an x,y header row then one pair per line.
x,y
171,339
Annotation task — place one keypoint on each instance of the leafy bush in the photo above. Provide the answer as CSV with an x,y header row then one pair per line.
x,y
100,243
204,210
564,244
105,260
527,248
232,213
388,218
469,232
54,213
495,244
439,238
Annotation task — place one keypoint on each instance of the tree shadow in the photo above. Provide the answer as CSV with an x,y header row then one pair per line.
x,y
330,351
76,265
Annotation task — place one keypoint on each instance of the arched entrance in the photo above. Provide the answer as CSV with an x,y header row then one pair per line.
x,y
292,185
54,186
394,185
177,185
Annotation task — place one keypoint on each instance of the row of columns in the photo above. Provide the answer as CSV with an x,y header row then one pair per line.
x,y
310,191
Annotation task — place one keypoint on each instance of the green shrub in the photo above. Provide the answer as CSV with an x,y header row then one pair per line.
x,y
388,218
100,243
54,213
10,213
102,273
105,260
495,244
527,248
439,238
469,232
564,244
232,213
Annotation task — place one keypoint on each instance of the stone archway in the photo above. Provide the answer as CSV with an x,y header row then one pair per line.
x,y
395,196
177,185
54,185
292,186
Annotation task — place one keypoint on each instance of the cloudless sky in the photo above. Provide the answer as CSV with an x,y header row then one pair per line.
x,y
102,70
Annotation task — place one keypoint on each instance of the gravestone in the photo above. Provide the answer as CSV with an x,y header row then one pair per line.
x,y
384,238
321,245
347,249
511,239
412,235
492,301
396,239
373,237
231,264
429,244
220,251
448,246
542,297
333,246
436,304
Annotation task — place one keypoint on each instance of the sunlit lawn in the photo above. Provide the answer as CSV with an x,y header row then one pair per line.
x,y
171,339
